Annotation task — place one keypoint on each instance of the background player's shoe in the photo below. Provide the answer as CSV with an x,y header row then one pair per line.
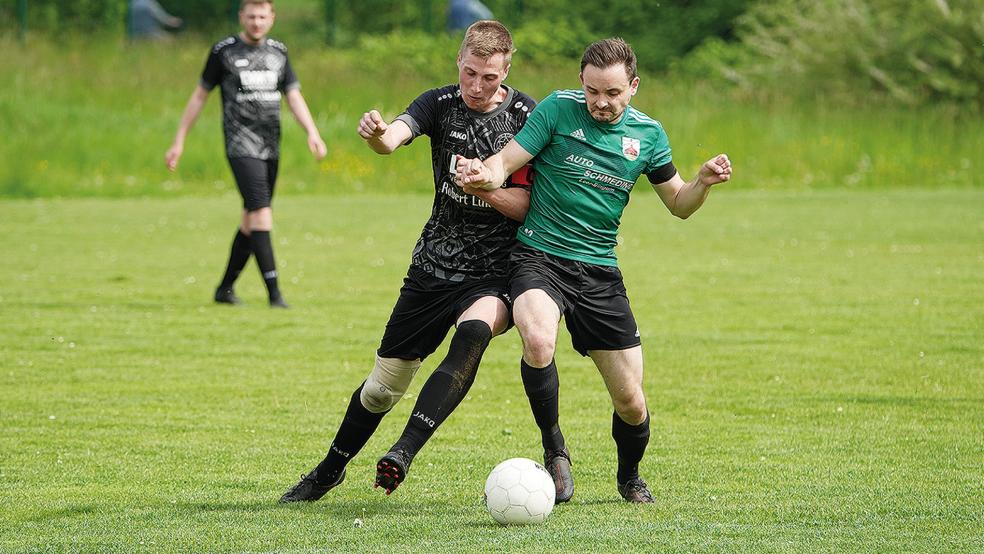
x,y
392,469
558,464
278,302
636,491
227,296
309,489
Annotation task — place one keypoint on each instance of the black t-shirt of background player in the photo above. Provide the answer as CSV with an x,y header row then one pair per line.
x,y
252,78
465,238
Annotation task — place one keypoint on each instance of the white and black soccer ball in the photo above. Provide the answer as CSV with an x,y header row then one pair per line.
x,y
519,491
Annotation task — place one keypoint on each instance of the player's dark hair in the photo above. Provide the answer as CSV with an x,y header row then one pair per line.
x,y
487,38
611,51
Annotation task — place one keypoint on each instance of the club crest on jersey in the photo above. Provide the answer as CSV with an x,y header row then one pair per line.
x,y
630,148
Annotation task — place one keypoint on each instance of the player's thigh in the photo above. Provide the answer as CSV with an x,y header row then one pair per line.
x,y
253,180
421,318
490,309
536,315
602,318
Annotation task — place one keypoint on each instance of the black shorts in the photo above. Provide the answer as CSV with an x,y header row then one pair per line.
x,y
255,179
428,308
591,298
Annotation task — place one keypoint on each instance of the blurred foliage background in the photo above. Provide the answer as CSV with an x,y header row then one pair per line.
x,y
908,51
802,94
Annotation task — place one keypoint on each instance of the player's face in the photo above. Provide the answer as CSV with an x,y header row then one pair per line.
x,y
607,91
480,79
256,19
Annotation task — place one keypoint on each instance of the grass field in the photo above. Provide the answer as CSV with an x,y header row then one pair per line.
x,y
815,373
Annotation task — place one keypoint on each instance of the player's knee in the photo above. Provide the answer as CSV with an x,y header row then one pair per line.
x,y
630,407
538,348
387,383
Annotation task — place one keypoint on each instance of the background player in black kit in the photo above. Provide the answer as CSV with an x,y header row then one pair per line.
x,y
457,276
253,72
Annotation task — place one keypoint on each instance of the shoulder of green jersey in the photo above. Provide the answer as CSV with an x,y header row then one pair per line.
x,y
636,115
575,95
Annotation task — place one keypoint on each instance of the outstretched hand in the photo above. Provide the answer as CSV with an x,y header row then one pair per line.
x,y
716,170
372,126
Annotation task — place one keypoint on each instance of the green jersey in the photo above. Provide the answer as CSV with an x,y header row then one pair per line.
x,y
584,171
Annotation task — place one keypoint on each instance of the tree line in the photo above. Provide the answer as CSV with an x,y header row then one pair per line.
x,y
907,51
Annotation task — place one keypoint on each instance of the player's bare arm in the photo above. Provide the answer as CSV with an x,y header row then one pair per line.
x,y
683,198
512,202
188,118
295,100
383,138
491,173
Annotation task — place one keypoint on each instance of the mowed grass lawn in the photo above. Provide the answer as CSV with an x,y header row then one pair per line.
x,y
815,373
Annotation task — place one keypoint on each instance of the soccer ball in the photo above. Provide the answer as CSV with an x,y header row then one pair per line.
x,y
519,491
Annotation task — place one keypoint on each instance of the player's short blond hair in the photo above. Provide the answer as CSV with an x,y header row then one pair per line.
x,y
244,3
487,38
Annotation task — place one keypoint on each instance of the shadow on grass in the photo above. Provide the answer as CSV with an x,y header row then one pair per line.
x,y
69,512
342,508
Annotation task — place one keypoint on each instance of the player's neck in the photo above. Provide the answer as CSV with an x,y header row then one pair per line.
x,y
249,40
496,101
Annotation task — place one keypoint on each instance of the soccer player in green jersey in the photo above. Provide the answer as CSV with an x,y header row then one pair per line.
x,y
588,149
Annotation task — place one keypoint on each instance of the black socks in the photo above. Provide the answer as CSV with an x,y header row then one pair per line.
x,y
238,257
263,250
447,386
358,425
630,441
542,387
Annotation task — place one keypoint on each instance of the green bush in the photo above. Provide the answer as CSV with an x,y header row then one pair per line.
x,y
922,52
58,15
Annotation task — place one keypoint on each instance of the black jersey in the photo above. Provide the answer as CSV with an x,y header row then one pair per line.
x,y
252,78
465,238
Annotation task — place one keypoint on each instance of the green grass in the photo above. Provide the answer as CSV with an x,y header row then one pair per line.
x,y
95,118
815,374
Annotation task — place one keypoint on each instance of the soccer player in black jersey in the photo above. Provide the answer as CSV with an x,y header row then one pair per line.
x,y
253,72
457,276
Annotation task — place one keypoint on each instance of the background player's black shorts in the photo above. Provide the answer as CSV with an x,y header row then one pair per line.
x,y
255,179
428,308
591,297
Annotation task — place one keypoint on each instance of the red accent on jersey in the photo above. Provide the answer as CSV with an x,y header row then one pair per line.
x,y
523,176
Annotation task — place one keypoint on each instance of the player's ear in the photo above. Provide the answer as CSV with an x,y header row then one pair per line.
x,y
505,71
580,76
634,85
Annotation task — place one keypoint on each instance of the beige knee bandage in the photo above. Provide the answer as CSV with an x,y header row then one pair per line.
x,y
387,383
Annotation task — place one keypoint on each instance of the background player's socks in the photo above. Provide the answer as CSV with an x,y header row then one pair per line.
x,y
542,386
630,441
357,426
238,257
447,386
263,250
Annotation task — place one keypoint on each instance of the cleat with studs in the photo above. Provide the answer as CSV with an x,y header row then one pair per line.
x,y
391,470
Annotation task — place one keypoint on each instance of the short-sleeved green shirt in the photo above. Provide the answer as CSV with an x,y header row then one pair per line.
x,y
584,173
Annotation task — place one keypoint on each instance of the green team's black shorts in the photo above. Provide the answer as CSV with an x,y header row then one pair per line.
x,y
428,308
591,298
255,179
